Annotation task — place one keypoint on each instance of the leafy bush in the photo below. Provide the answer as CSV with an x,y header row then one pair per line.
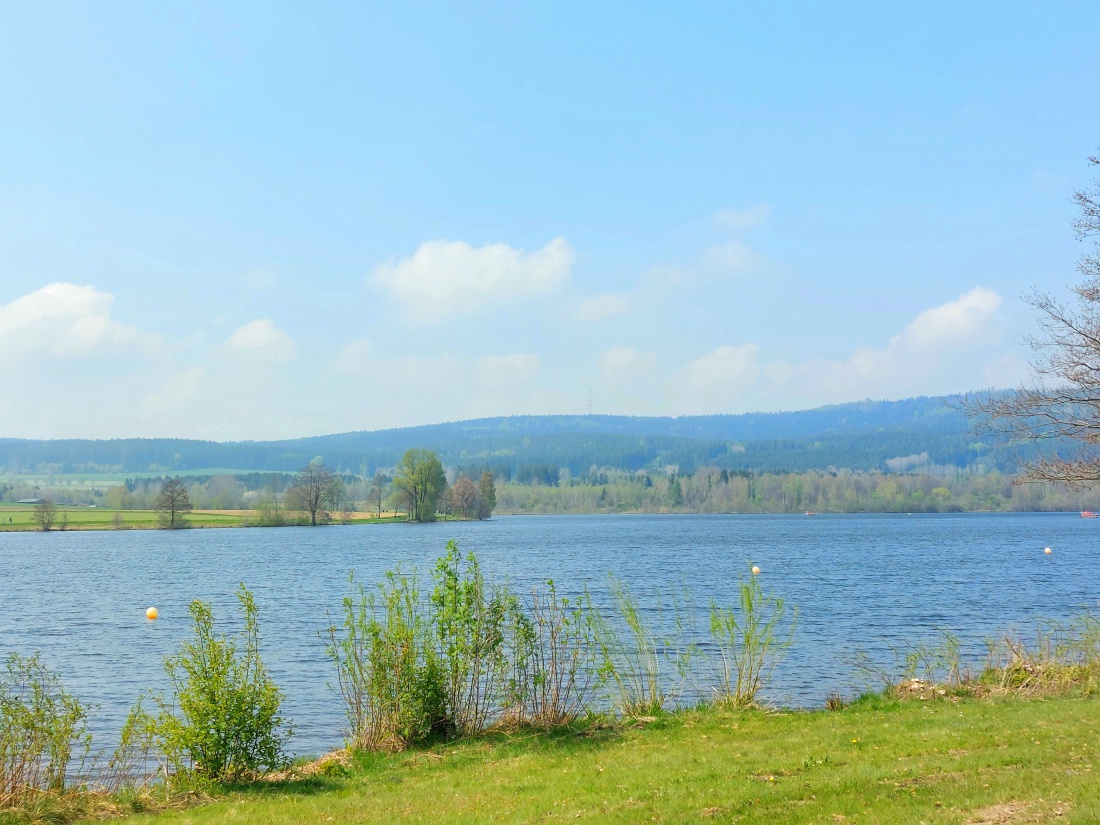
x,y
133,767
40,727
472,654
223,722
387,671
751,640
470,619
555,655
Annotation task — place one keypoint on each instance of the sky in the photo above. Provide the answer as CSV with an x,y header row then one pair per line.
x,y
268,220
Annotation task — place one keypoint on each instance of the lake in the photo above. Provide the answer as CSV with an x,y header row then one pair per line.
x,y
858,581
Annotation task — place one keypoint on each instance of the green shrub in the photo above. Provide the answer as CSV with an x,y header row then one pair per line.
x,y
555,658
751,640
223,722
40,728
387,672
470,622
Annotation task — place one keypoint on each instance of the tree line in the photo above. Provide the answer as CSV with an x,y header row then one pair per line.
x,y
711,490
419,489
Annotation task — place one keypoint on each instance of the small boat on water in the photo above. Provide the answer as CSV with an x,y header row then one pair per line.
x,y
811,513
1089,514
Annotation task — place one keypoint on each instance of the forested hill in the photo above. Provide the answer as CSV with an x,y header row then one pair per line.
x,y
867,435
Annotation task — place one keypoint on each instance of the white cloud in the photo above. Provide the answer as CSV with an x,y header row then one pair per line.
x,y
956,323
450,277
740,219
262,339
178,389
64,320
943,349
1007,371
623,363
598,307
940,351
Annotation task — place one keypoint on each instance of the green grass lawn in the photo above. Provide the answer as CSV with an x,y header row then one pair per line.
x,y
879,761
20,517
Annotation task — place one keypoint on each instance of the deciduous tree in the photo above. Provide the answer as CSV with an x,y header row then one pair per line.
x,y
487,495
465,498
45,513
172,504
316,489
378,490
420,480
1064,404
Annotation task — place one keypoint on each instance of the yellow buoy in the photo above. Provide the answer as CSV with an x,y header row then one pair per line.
x,y
755,569
1047,551
151,613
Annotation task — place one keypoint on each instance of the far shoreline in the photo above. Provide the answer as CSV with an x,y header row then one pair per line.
x,y
103,520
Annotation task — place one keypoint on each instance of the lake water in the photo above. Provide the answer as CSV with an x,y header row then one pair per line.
x,y
858,582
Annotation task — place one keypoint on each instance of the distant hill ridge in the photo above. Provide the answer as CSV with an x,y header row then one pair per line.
x,y
861,435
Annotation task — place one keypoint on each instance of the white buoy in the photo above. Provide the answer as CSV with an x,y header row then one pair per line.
x,y
755,569
1048,551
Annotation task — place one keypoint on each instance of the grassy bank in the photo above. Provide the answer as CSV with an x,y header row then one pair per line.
x,y
880,760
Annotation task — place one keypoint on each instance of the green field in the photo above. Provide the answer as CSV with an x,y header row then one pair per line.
x,y
20,517
879,761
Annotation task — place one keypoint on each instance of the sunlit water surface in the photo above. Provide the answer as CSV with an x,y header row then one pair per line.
x,y
867,582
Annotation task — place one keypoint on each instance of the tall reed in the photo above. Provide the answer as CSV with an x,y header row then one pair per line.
x,y
630,657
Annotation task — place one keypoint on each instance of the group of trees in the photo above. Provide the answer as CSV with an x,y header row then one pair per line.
x,y
474,500
419,488
420,485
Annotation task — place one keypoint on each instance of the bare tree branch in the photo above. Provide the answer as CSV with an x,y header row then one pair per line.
x,y
1064,405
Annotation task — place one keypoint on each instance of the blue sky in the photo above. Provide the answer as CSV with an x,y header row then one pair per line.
x,y
267,220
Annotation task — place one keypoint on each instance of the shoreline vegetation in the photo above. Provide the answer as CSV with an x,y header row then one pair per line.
x,y
16,518
277,499
466,701
234,501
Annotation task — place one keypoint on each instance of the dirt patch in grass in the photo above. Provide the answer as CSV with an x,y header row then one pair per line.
x,y
1016,812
